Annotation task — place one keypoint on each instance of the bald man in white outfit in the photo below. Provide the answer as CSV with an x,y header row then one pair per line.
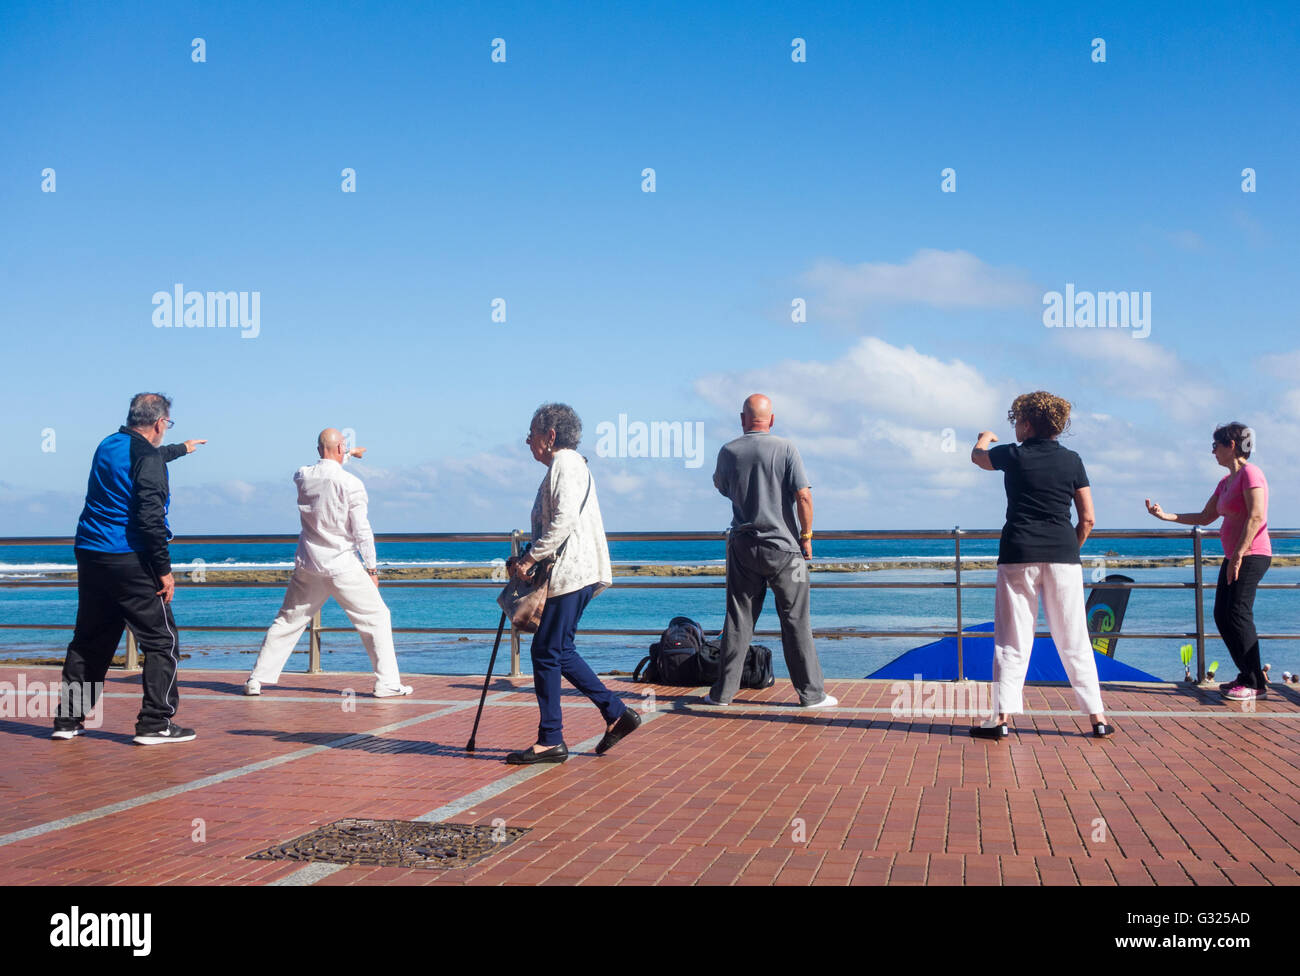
x,y
335,530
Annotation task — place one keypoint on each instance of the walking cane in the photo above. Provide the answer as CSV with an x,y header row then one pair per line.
x,y
486,680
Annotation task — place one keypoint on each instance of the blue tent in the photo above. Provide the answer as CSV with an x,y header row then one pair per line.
x,y
938,661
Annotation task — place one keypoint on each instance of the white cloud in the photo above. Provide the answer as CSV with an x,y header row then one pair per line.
x,y
1251,227
1289,404
943,279
1284,365
240,492
1139,369
873,426
873,377
1186,240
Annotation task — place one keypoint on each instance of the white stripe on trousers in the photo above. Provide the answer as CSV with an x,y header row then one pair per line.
x,y
176,660
359,597
1014,616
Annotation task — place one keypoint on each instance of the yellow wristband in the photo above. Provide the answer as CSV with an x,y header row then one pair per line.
x,y
806,535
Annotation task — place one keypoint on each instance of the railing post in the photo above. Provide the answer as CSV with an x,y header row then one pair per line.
x,y
515,536
132,651
313,649
956,542
1199,576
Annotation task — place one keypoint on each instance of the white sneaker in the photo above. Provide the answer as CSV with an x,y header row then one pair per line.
x,y
708,700
828,702
67,733
393,692
252,687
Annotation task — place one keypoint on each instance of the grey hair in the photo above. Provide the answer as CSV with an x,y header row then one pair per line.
x,y
563,419
147,409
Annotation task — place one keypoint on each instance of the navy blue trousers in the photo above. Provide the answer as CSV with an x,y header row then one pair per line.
x,y
554,657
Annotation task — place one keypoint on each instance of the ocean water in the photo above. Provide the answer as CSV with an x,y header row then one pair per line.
x,y
648,605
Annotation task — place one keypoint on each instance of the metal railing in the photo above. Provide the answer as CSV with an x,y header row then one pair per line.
x,y
516,538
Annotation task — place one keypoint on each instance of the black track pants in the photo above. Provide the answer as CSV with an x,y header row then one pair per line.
x,y
115,590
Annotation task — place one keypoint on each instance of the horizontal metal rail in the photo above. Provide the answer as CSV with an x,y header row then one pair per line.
x,y
830,535
514,538
824,632
623,582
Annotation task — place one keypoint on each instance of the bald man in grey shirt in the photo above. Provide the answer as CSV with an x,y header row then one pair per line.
x,y
763,476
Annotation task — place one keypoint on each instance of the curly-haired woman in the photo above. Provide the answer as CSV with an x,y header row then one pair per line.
x,y
567,528
1039,554
1242,499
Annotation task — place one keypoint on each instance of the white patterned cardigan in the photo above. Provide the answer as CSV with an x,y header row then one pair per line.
x,y
556,517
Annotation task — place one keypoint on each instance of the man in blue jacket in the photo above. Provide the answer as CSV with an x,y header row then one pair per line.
x,y
124,574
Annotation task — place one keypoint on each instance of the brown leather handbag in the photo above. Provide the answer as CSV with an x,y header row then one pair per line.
x,y
524,600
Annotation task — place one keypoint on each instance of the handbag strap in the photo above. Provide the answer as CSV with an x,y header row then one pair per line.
x,y
560,551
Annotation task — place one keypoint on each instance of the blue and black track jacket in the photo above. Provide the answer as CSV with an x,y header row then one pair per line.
x,y
127,498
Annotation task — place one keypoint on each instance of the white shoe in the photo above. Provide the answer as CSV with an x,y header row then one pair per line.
x,y
708,700
828,702
252,687
393,692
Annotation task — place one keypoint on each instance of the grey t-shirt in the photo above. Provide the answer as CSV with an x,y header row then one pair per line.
x,y
761,473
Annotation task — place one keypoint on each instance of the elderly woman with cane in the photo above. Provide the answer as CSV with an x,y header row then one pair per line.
x,y
567,533
1039,554
1241,497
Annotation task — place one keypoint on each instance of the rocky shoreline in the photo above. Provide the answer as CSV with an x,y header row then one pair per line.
x,y
624,570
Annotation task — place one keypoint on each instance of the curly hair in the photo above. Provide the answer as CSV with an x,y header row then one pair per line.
x,y
1046,414
563,419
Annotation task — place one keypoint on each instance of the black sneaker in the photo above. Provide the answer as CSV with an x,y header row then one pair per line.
x,y
169,733
71,733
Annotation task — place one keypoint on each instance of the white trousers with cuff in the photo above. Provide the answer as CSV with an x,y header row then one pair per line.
x,y
359,597
1014,616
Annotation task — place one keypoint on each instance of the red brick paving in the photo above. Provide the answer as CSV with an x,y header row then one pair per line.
x,y
775,796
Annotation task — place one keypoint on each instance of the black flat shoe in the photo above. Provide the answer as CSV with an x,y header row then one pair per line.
x,y
1101,730
990,731
526,757
627,723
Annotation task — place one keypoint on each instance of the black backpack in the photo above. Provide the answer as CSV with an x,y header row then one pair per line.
x,y
683,657
673,658
758,668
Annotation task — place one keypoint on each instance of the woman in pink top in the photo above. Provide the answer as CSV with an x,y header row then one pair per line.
x,y
1242,499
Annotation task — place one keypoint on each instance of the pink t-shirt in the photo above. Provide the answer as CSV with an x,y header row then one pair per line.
x,y
1231,499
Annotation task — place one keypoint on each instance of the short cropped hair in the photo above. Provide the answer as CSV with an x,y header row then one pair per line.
x,y
1235,434
563,419
147,409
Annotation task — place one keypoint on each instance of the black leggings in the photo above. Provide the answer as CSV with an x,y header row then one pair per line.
x,y
1234,615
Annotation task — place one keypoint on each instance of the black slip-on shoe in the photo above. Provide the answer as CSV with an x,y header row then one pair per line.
x,y
997,732
627,723
526,757
171,732
1102,730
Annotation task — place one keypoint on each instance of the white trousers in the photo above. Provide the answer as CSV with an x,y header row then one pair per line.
x,y
1014,615
359,597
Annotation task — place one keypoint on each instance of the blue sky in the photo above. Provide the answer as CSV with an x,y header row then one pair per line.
x,y
521,180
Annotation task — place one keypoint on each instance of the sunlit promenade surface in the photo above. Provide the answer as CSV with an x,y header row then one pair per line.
x,y
1190,790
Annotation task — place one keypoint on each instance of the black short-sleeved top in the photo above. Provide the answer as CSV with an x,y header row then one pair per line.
x,y
1041,478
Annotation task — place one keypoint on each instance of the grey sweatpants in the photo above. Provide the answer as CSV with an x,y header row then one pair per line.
x,y
751,568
